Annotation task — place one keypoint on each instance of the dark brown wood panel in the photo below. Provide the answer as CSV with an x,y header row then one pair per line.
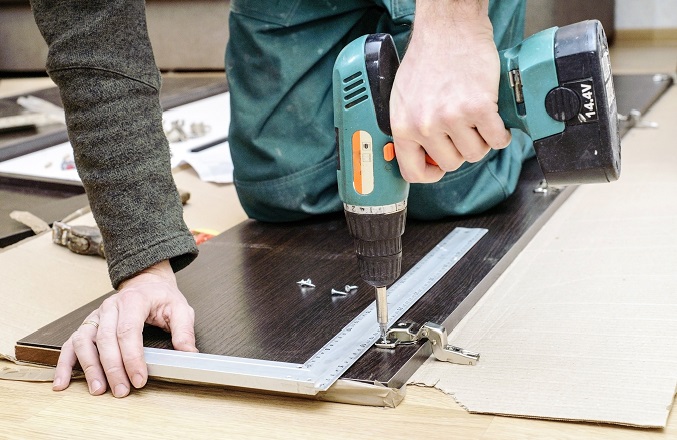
x,y
49,201
243,285
638,92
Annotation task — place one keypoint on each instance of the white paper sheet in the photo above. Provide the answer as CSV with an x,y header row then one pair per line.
x,y
54,163
212,164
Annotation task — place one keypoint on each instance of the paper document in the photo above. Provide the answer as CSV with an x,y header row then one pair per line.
x,y
202,124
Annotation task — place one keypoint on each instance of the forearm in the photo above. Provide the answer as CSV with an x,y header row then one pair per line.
x,y
100,57
435,19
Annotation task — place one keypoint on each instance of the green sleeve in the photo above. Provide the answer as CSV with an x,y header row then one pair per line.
x,y
101,59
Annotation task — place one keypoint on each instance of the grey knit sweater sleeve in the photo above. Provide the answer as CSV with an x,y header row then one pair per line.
x,y
101,59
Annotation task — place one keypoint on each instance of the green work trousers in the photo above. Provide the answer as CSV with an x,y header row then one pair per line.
x,y
279,66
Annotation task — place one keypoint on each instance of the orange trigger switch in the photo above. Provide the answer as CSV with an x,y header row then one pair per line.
x,y
430,160
389,151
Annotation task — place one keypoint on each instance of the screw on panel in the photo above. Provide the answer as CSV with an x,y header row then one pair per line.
x,y
306,283
542,187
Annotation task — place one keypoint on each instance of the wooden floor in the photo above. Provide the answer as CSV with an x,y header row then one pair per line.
x,y
161,410
167,411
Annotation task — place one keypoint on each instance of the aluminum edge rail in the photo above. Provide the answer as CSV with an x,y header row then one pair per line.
x,y
334,358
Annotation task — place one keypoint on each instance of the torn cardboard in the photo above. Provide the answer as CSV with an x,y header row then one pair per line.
x,y
25,373
582,325
42,281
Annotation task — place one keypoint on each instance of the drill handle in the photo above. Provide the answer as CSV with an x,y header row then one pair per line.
x,y
528,73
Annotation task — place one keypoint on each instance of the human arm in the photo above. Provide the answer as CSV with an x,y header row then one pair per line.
x,y
100,58
445,94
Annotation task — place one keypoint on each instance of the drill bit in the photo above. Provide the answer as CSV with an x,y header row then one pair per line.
x,y
382,311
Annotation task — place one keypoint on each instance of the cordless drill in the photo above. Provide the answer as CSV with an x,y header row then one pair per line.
x,y
556,86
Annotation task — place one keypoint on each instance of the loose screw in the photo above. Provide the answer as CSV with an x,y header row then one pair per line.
x,y
306,283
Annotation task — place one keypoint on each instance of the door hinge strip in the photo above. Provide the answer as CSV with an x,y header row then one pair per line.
x,y
436,334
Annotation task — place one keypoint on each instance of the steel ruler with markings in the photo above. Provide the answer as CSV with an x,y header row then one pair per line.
x,y
336,356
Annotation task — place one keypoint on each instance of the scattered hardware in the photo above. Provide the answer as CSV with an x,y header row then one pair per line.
x,y
346,290
542,187
177,132
635,119
306,283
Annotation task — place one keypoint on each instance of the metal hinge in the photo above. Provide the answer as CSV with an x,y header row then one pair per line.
x,y
403,334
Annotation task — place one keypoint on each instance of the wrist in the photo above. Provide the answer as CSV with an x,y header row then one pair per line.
x,y
162,270
457,10
439,20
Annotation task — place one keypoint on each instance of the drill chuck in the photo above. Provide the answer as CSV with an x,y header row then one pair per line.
x,y
378,243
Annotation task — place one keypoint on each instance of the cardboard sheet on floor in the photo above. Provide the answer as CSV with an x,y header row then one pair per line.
x,y
41,281
24,283
582,325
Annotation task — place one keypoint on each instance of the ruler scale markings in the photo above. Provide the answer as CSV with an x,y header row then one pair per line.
x,y
336,356
401,296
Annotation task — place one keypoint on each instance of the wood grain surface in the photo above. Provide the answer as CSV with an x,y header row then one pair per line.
x,y
165,411
49,201
638,92
243,285
247,302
